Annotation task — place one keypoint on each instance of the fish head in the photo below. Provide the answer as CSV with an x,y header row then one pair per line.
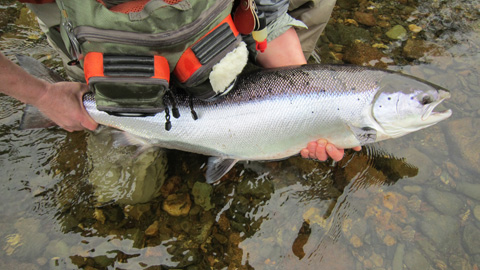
x,y
405,104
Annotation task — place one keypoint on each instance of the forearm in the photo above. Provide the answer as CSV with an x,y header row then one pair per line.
x,y
18,83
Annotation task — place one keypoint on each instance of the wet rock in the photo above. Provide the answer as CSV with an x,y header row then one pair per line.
x,y
476,212
397,32
457,262
116,176
346,34
414,189
201,195
347,4
259,187
56,248
415,28
442,230
365,18
471,234
177,204
445,202
152,230
463,135
397,263
416,48
136,211
469,189
99,216
28,242
362,54
414,260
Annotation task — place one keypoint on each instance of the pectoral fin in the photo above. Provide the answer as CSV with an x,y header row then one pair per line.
x,y
364,135
218,167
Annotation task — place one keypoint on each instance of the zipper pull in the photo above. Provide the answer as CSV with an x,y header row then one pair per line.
x,y
75,51
260,32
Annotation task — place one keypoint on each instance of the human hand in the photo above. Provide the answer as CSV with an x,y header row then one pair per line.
x,y
321,150
62,102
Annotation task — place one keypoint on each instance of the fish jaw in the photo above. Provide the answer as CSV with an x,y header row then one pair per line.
x,y
431,117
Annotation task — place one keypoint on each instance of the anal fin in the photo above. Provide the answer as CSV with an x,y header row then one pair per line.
x,y
218,167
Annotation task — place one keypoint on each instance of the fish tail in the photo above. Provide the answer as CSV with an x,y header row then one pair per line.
x,y
34,118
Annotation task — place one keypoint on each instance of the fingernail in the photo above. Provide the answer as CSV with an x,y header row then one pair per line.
x,y
321,143
329,148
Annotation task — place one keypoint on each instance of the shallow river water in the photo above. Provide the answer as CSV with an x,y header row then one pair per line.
x,y
408,203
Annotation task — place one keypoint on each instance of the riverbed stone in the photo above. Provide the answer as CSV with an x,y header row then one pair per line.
x,y
476,212
469,189
414,260
397,32
440,229
445,202
471,234
463,137
201,195
417,48
362,54
177,204
367,19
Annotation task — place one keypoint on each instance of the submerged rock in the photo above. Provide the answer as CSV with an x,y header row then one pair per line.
x,y
365,18
397,32
177,204
201,195
414,260
362,54
441,229
471,234
463,135
445,202
417,48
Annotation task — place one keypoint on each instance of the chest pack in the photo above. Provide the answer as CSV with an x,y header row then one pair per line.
x,y
129,53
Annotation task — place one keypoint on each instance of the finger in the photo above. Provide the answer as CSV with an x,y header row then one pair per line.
x,y
357,148
320,151
311,147
304,153
90,124
335,153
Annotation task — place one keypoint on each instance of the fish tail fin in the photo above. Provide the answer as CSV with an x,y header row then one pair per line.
x,y
33,118
37,69
218,167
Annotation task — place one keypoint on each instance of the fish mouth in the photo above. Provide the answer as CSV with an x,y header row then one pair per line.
x,y
433,117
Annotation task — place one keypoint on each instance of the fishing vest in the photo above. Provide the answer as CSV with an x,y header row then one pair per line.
x,y
128,56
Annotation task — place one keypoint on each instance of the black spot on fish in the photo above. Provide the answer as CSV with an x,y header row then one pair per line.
x,y
389,98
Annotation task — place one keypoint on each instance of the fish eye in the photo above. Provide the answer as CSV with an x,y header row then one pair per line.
x,y
426,100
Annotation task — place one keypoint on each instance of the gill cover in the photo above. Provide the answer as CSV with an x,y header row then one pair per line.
x,y
404,104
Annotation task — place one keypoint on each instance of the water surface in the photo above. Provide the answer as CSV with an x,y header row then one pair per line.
x,y
409,203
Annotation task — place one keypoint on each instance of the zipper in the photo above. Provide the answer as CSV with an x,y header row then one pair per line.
x,y
75,51
89,33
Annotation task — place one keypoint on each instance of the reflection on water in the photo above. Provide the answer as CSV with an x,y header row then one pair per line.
x,y
409,203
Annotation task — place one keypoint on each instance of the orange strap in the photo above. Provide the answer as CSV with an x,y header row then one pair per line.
x,y
188,62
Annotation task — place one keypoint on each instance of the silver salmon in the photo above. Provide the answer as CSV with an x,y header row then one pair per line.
x,y
272,114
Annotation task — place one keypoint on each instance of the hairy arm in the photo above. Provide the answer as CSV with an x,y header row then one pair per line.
x,y
61,102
